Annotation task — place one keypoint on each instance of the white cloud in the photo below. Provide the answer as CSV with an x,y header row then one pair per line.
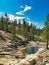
x,y
26,8
11,17
20,13
21,19
21,6
18,17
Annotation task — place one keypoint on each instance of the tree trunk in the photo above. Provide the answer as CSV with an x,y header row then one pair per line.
x,y
47,42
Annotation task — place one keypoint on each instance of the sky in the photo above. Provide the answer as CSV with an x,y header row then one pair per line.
x,y
34,11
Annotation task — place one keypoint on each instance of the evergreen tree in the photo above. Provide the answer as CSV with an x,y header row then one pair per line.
x,y
19,27
6,22
31,31
24,27
13,31
46,31
39,32
2,23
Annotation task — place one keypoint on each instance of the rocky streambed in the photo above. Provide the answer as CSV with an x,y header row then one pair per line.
x,y
41,57
19,54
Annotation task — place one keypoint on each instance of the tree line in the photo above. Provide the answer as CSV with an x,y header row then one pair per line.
x,y
26,30
30,32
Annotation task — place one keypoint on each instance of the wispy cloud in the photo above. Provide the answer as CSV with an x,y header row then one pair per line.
x,y
12,17
20,13
25,8
18,17
21,19
21,6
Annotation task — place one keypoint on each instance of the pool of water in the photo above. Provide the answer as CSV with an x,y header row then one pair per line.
x,y
33,50
30,51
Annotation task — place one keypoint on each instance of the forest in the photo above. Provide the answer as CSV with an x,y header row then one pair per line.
x,y
28,31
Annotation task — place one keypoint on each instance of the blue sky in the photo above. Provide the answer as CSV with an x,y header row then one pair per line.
x,y
33,10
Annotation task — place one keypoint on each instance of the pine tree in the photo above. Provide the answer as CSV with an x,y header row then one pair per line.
x,y
19,27
24,27
6,22
13,31
46,31
2,23
39,32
